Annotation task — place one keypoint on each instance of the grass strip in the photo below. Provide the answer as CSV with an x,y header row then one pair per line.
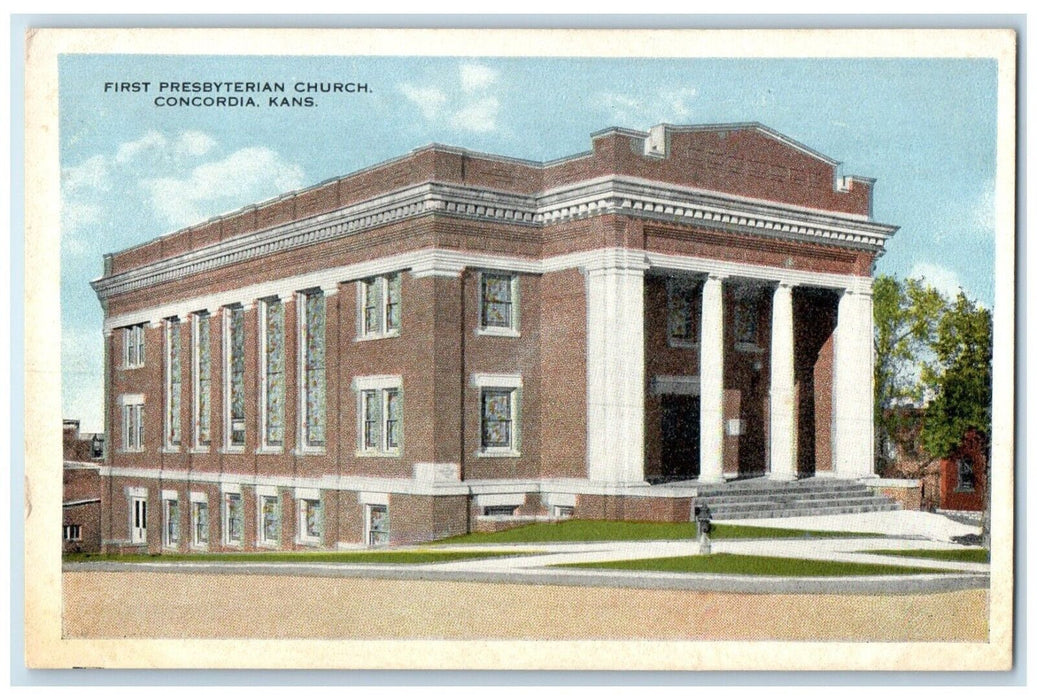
x,y
751,565
620,530
972,555
379,557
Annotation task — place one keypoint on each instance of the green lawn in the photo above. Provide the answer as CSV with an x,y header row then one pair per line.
x,y
617,530
420,556
977,556
749,565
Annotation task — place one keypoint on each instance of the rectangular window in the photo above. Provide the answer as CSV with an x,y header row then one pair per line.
x,y
199,523
313,381
133,346
73,533
173,382
235,373
499,398
563,511
202,380
272,379
133,427
379,302
966,475
233,519
170,522
311,520
683,304
377,525
498,307
138,519
497,418
269,520
499,510
381,415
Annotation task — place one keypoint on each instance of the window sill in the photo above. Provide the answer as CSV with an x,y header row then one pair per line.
x,y
310,452
136,451
199,548
499,332
309,542
170,450
373,453
200,450
131,367
233,450
377,336
232,545
498,453
270,451
268,545
680,343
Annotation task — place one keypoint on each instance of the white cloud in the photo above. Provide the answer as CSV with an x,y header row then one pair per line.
x,y
944,280
429,100
666,106
247,175
128,151
478,116
194,143
82,187
469,104
475,76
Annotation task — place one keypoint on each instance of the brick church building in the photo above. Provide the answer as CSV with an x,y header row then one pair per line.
x,y
452,340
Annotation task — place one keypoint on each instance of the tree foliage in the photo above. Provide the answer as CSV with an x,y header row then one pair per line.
x,y
907,314
960,375
930,352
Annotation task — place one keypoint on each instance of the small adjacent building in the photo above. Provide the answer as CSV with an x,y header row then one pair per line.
x,y
453,340
81,489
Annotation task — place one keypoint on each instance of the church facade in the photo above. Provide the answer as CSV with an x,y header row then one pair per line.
x,y
452,341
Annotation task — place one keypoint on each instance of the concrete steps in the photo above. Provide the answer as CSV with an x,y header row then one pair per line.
x,y
761,498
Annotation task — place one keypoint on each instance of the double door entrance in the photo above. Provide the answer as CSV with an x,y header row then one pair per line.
x,y
680,437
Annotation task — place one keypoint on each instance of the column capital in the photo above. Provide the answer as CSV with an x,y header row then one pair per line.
x,y
717,276
616,259
785,283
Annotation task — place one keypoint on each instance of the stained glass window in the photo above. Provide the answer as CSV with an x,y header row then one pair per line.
x,y
200,522
312,518
173,382
172,524
497,301
273,372
234,520
313,370
269,519
236,375
497,418
203,377
681,305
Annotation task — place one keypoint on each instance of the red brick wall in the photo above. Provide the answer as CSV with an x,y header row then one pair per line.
x,y
952,495
88,517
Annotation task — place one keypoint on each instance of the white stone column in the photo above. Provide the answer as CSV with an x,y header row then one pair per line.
x,y
782,411
711,382
852,422
616,367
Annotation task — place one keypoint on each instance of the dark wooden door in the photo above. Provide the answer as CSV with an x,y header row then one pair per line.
x,y
680,437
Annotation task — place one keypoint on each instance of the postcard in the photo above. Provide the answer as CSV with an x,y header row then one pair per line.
x,y
519,349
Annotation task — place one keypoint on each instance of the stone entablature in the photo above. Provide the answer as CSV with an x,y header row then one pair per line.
x,y
592,191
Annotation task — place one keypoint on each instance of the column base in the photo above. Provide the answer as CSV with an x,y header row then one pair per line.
x,y
782,477
711,479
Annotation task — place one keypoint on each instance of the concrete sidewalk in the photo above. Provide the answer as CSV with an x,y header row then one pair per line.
x,y
539,563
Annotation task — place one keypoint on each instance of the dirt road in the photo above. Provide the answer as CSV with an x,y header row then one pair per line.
x,y
190,605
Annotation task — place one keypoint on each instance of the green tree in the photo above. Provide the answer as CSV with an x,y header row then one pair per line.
x,y
960,375
906,315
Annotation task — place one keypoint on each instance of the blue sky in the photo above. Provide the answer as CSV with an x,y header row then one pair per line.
x,y
130,171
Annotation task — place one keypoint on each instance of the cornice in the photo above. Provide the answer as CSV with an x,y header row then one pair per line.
x,y
607,195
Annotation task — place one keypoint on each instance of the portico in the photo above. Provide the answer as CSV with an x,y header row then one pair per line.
x,y
709,371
